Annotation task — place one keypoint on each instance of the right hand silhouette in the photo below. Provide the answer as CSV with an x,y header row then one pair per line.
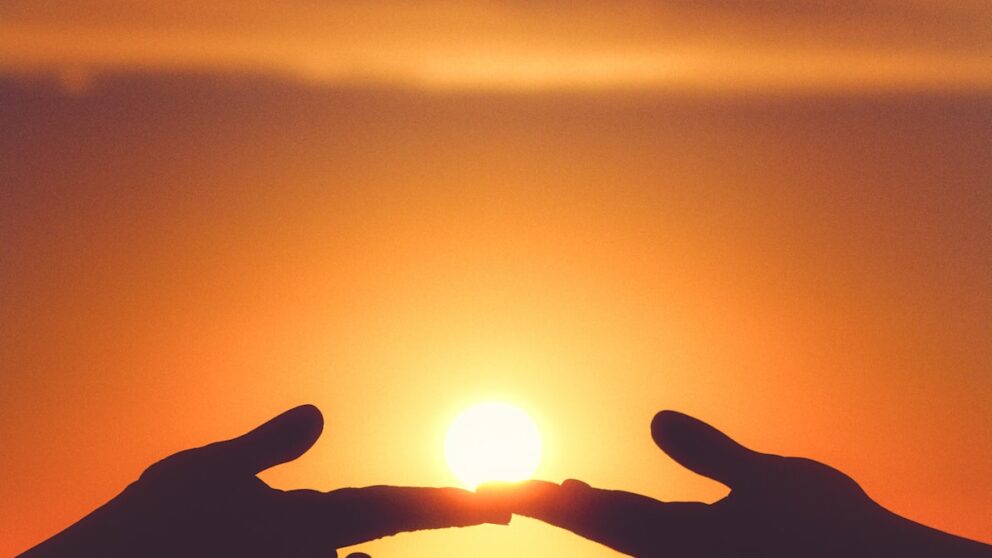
x,y
777,507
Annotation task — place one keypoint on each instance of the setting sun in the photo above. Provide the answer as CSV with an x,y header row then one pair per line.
x,y
490,242
492,442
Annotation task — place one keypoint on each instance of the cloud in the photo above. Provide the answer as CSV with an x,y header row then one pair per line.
x,y
716,44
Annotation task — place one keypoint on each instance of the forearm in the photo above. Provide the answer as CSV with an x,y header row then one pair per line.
x,y
105,532
908,538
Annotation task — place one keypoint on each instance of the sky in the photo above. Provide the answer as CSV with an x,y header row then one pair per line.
x,y
680,44
771,215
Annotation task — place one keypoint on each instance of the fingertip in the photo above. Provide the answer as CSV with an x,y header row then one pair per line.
x,y
485,506
283,438
498,495
476,509
310,415
465,507
575,484
305,423
493,511
702,448
502,518
520,497
665,426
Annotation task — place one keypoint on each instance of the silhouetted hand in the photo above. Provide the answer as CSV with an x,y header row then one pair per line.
x,y
207,502
777,507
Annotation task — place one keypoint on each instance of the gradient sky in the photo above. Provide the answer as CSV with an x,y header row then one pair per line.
x,y
775,216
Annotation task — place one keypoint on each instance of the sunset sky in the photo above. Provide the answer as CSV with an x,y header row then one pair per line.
x,y
774,215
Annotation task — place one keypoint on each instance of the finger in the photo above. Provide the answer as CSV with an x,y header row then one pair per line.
x,y
354,515
281,439
703,449
627,522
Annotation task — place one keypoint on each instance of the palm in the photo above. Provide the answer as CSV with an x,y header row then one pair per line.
x,y
182,512
792,507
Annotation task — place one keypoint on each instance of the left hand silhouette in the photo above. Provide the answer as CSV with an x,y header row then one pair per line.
x,y
207,502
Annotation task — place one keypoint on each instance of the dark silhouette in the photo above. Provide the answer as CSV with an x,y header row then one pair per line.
x,y
207,502
777,507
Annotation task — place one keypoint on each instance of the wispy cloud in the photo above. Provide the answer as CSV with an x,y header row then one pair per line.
x,y
716,44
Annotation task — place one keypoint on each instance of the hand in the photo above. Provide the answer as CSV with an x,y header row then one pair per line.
x,y
777,507
208,502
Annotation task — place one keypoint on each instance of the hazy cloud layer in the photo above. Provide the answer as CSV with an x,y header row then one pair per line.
x,y
716,44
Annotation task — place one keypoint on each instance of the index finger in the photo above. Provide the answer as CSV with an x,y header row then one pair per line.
x,y
625,521
351,516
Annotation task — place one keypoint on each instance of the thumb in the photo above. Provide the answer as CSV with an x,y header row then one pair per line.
x,y
281,439
703,449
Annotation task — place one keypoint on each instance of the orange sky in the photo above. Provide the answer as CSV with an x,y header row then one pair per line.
x,y
189,248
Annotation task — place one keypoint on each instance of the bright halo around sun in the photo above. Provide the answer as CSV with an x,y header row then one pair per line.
x,y
492,442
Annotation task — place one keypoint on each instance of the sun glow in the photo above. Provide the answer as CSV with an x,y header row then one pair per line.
x,y
492,442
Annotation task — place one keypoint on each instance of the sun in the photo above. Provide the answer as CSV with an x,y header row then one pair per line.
x,y
492,442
